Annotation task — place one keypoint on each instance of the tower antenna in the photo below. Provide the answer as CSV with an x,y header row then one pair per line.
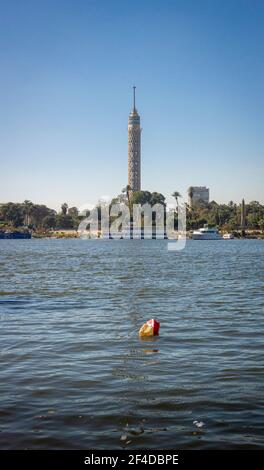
x,y
134,92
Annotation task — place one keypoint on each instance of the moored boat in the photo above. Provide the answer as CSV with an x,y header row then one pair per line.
x,y
206,233
15,235
228,236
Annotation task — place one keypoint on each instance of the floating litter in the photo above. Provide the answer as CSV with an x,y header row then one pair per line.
x,y
198,424
150,328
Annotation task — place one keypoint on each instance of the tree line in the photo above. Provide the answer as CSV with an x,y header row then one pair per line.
x,y
224,216
38,216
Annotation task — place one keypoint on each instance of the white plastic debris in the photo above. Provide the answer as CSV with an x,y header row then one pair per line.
x,y
198,424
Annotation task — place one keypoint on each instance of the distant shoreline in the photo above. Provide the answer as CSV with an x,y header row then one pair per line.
x,y
69,234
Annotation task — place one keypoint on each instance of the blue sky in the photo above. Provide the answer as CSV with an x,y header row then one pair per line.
x,y
67,71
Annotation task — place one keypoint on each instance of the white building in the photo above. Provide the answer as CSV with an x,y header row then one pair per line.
x,y
198,195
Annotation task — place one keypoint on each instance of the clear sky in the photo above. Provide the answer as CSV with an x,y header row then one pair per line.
x,y
67,71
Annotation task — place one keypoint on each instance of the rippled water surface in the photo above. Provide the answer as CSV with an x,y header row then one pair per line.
x,y
74,374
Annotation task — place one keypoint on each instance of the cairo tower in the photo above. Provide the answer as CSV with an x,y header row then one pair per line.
x,y
134,148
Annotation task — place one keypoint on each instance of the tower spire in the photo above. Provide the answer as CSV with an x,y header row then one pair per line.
x,y
134,147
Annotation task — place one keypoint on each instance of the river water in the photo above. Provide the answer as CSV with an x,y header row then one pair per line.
x,y
74,373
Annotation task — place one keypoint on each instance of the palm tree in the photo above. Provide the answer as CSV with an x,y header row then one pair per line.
x,y
176,195
27,210
64,208
127,189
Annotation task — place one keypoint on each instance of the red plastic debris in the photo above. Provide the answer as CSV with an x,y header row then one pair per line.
x,y
150,328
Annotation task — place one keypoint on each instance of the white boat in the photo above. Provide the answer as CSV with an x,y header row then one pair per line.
x,y
206,233
228,236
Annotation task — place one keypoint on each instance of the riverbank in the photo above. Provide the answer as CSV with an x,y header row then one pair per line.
x,y
70,233
250,234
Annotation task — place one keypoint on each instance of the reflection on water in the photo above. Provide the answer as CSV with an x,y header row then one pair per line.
x,y
75,374
150,351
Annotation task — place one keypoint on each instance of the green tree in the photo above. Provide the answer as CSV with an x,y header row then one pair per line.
x,y
13,213
157,198
64,208
38,212
252,221
261,224
140,197
49,222
65,221
73,211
